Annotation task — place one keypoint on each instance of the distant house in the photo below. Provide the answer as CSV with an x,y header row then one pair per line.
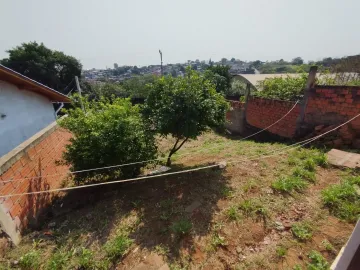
x,y
25,108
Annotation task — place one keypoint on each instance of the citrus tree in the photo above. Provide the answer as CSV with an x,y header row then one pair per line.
x,y
107,134
184,107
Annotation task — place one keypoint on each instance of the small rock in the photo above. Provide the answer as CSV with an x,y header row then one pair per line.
x,y
52,224
239,250
242,258
357,189
222,164
279,226
266,241
15,263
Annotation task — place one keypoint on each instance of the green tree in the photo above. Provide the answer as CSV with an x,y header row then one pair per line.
x,y
184,107
137,86
108,134
52,68
297,61
220,76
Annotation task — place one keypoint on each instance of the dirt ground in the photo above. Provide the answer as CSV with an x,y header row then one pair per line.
x,y
219,238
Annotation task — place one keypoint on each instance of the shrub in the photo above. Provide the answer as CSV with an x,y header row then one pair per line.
x,y
301,231
184,107
117,247
284,88
107,134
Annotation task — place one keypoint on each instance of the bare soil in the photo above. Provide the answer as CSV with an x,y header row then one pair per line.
x,y
90,217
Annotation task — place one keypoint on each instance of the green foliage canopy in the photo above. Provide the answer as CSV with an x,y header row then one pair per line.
x,y
284,88
184,107
49,67
220,76
108,134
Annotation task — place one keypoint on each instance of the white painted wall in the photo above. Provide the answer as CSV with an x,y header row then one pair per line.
x,y
25,112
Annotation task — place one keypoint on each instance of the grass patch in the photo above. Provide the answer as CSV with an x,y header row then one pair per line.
x,y
227,192
232,213
253,207
281,252
328,246
317,261
302,231
162,250
181,227
343,200
304,174
30,260
86,259
288,184
59,260
217,241
117,247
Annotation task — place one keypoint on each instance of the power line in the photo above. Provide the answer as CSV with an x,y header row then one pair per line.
x,y
109,183
179,172
145,161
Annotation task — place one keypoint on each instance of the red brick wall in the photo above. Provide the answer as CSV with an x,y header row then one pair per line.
x,y
333,105
262,113
38,159
329,106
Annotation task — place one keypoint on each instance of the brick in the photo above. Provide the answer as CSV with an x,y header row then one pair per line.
x,y
7,188
15,210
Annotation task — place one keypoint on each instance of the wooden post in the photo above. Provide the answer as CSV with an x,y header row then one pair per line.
x,y
79,90
303,104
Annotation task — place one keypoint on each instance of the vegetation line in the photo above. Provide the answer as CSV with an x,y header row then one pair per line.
x,y
144,161
108,183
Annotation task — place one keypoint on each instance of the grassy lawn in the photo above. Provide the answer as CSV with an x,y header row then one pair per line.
x,y
290,211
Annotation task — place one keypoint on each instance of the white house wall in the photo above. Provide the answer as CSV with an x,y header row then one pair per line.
x,y
22,114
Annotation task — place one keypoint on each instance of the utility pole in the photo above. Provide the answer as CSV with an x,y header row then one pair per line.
x,y
79,90
162,73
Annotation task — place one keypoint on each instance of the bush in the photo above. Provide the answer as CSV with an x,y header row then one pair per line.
x,y
284,88
107,134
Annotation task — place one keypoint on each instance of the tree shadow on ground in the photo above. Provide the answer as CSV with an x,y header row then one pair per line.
x,y
161,202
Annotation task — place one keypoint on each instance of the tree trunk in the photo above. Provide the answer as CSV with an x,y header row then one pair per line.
x,y
174,149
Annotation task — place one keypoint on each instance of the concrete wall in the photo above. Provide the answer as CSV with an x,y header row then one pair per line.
x,y
22,114
36,157
236,117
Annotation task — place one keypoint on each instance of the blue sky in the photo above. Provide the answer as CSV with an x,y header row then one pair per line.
x,y
130,32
